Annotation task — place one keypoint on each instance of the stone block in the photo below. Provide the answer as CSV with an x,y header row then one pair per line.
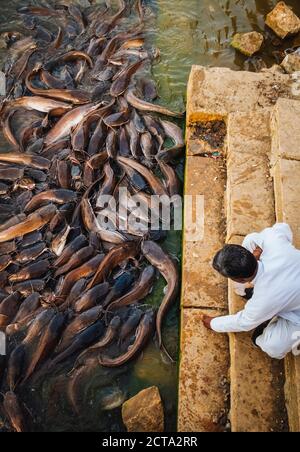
x,y
203,386
202,286
283,21
248,43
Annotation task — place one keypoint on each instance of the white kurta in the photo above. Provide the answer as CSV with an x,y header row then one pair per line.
x,y
276,293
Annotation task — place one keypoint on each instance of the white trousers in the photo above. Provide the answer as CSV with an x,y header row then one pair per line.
x,y
280,338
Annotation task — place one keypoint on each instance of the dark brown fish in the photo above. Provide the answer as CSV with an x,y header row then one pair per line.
x,y
60,196
105,341
77,325
15,366
9,308
42,104
86,270
32,223
76,244
11,174
120,85
28,306
47,343
14,412
77,259
171,179
31,253
152,180
115,257
142,288
33,161
143,335
33,271
28,287
165,265
91,297
146,106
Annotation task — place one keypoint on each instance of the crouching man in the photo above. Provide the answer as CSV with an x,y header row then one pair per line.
x,y
270,264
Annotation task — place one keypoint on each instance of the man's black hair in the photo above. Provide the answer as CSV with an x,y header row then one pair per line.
x,y
235,261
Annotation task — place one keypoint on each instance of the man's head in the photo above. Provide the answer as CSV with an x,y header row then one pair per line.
x,y
237,263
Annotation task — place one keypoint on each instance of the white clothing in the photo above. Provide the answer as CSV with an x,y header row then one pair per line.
x,y
276,291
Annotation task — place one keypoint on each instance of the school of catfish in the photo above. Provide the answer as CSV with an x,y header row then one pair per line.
x,y
80,121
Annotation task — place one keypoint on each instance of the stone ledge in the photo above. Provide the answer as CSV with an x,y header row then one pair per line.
x,y
201,285
286,181
285,127
250,198
214,93
203,375
292,391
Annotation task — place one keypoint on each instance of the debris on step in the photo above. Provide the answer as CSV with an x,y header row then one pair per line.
x,y
207,139
283,21
248,43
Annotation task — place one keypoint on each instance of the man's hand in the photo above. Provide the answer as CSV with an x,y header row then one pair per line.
x,y
257,253
206,319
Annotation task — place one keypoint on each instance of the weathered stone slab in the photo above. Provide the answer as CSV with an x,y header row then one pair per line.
x,y
287,199
144,412
285,127
291,63
202,286
248,43
256,380
292,391
213,93
250,198
249,133
283,21
203,375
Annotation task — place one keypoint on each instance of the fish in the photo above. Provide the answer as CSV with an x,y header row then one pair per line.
x,y
31,253
33,271
9,308
165,265
116,256
171,179
74,246
64,95
47,343
85,270
33,161
91,297
81,341
130,325
77,259
11,174
121,286
152,180
14,412
143,335
32,222
142,288
70,120
106,340
120,85
28,306
28,287
60,196
142,105
42,104
15,366
77,325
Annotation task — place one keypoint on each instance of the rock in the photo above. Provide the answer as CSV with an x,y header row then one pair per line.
x,y
291,63
248,43
283,21
144,412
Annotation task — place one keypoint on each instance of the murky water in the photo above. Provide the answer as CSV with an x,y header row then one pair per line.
x,y
186,32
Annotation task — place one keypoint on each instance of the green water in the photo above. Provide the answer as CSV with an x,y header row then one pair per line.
x,y
186,32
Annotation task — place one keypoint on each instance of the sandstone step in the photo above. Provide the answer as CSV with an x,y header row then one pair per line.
x,y
203,385
286,171
257,402
201,285
213,93
250,197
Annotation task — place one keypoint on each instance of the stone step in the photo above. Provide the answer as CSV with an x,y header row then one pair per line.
x,y
256,380
286,170
204,363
